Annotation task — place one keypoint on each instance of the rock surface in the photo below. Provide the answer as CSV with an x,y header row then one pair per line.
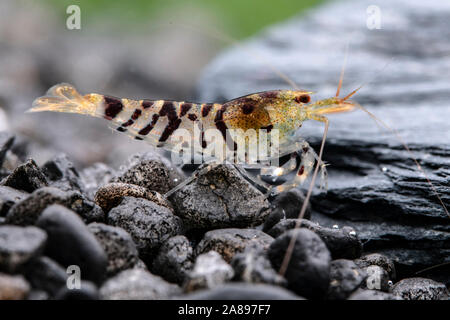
x,y
374,185
243,291
308,271
228,242
137,284
118,246
346,277
174,259
420,289
148,223
13,287
218,198
18,245
71,243
210,270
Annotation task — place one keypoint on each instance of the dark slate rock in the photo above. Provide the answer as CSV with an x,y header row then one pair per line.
x,y
111,195
420,289
148,223
94,177
18,245
62,174
174,259
27,177
210,270
220,197
9,197
13,287
6,142
87,291
150,171
343,243
29,209
376,259
291,202
137,284
243,291
45,274
374,185
118,246
228,242
308,272
362,294
254,266
345,278
71,243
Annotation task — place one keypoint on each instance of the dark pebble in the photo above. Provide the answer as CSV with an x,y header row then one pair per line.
x,y
290,202
220,197
27,211
210,270
343,243
9,197
71,243
376,259
45,274
149,171
62,174
27,177
228,242
362,294
308,272
420,289
118,246
137,284
95,177
148,223
111,195
345,278
174,259
87,291
254,266
243,291
18,245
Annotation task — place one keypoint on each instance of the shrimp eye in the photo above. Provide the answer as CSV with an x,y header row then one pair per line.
x,y
304,98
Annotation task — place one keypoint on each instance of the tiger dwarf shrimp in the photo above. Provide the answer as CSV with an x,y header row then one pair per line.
x,y
159,123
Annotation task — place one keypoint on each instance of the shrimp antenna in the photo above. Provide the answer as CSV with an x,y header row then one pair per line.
x,y
341,77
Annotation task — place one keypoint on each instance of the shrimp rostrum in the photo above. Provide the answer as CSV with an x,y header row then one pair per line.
x,y
213,132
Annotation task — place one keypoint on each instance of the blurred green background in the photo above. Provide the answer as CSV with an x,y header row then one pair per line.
x,y
239,18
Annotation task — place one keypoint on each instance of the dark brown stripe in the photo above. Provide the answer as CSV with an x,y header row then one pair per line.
x,y
302,169
169,129
184,108
113,107
222,127
192,117
128,123
150,126
206,108
121,129
147,104
136,114
204,144
268,128
138,138
168,110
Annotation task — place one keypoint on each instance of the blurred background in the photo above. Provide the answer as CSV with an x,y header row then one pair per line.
x,y
135,49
